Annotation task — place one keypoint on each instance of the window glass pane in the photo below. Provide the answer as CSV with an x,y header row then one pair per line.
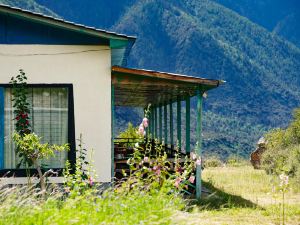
x,y
48,118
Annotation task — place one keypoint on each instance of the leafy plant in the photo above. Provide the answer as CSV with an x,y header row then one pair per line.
x,y
213,161
83,177
21,110
34,151
283,150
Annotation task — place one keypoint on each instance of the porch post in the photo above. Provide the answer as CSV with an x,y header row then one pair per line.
x,y
171,125
179,122
188,125
112,131
165,124
199,141
151,122
160,123
155,122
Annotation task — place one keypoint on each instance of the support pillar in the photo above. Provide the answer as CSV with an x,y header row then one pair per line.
x,y
179,122
188,124
171,125
199,141
160,123
165,124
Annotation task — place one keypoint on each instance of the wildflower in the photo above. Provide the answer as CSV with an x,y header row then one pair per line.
x,y
146,159
284,180
145,122
91,181
179,169
198,162
193,156
192,179
156,169
67,189
141,129
177,182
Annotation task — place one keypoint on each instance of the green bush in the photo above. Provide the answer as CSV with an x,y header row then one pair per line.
x,y
212,161
283,150
235,160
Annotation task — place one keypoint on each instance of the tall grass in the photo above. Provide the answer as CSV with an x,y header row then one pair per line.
x,y
23,205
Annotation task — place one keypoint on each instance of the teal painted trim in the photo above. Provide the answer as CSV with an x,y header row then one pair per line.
x,y
179,122
2,127
188,124
112,132
155,122
149,125
171,124
160,123
199,142
166,124
118,43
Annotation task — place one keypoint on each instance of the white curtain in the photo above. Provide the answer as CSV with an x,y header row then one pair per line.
x,y
48,119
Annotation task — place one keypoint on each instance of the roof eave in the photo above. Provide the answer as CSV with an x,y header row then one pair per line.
x,y
44,19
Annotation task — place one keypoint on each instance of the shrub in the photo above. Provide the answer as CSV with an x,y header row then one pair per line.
x,y
235,160
213,161
282,154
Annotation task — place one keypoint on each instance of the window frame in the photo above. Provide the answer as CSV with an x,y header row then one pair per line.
x,y
71,133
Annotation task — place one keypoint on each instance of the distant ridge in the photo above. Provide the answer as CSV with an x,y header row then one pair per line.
x,y
204,38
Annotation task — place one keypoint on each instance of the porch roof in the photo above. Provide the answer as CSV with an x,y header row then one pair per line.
x,y
139,87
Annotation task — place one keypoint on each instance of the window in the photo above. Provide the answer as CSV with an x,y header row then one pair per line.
x,y
51,117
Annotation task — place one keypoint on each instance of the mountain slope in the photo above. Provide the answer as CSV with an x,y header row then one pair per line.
x,y
206,39
29,5
203,38
279,16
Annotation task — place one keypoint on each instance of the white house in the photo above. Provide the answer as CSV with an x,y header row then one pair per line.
x,y
77,75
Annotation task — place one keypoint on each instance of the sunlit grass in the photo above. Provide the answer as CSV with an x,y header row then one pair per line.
x,y
241,195
21,206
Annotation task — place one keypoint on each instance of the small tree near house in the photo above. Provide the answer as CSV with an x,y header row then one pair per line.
x,y
28,145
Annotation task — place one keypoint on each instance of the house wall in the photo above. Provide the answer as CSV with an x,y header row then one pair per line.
x,y
88,68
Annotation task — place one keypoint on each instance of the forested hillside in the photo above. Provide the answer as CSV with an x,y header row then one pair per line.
x,y
279,16
204,38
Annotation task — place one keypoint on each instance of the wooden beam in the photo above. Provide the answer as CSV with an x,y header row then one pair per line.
x,y
164,76
187,124
179,122
166,124
199,141
171,125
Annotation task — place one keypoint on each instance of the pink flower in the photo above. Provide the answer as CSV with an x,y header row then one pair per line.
x,y
284,180
145,122
192,179
193,156
177,182
157,172
156,169
141,130
179,170
198,162
146,159
91,181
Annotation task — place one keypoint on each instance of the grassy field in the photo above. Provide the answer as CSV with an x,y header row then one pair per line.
x,y
242,195
238,195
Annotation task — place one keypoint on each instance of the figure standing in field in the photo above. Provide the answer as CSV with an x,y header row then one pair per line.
x,y
255,156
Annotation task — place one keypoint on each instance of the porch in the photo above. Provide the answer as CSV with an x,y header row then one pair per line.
x,y
165,92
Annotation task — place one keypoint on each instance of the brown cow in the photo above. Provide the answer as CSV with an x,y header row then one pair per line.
x,y
255,156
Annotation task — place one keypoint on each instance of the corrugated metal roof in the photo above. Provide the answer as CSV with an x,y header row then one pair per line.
x,y
63,23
